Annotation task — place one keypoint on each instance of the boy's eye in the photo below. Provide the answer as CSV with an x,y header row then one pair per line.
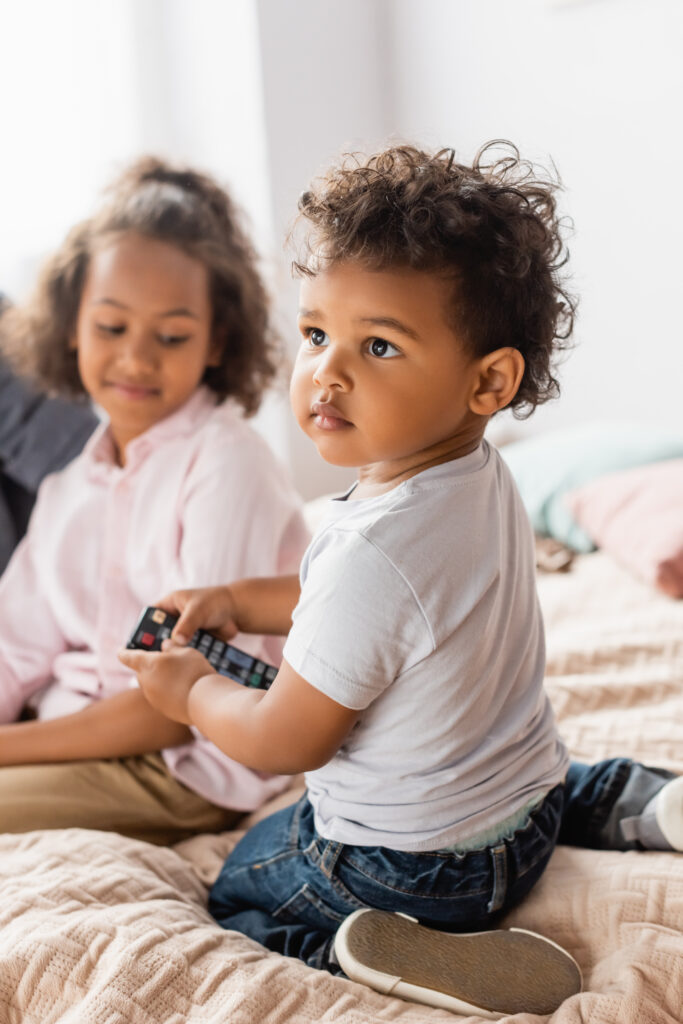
x,y
317,337
383,349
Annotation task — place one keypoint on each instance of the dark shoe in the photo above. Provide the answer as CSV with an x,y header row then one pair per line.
x,y
493,973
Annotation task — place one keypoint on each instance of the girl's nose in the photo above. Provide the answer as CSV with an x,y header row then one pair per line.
x,y
138,350
331,370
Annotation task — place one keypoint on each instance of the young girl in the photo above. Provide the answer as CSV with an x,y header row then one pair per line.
x,y
411,690
154,309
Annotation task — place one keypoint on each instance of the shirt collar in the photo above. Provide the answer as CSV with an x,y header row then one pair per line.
x,y
99,451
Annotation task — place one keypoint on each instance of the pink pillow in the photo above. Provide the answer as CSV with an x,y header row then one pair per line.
x,y
637,515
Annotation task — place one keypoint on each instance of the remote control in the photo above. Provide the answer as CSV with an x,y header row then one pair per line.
x,y
156,625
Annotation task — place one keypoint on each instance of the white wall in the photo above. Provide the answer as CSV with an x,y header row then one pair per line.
x,y
88,86
200,96
68,110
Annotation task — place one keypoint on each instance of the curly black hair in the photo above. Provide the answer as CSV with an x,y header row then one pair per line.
x,y
492,226
171,204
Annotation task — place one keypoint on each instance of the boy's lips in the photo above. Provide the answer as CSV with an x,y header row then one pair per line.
x,y
328,417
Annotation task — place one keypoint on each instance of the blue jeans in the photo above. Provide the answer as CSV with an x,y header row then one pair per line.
x,y
290,889
598,797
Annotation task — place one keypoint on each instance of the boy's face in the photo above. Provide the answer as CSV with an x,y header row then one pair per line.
x,y
143,332
381,378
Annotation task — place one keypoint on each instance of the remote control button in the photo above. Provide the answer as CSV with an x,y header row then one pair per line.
x,y
240,658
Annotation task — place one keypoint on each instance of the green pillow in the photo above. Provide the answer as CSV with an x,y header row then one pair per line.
x,y
547,466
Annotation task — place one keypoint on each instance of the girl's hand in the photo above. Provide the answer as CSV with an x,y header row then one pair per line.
x,y
167,677
211,608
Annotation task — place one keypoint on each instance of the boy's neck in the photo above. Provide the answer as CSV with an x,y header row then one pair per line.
x,y
380,477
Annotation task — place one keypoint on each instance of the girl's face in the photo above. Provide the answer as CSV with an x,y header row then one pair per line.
x,y
143,332
382,380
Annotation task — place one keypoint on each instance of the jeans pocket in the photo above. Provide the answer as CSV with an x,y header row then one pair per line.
x,y
306,906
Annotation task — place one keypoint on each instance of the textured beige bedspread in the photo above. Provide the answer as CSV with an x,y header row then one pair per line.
x,y
100,929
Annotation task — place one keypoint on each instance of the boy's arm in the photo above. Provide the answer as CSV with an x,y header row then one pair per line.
x,y
120,726
260,605
290,728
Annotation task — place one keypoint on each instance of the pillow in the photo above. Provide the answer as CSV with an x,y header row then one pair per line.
x,y
637,516
546,467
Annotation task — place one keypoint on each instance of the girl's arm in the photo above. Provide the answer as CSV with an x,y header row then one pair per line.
x,y
118,726
290,728
30,635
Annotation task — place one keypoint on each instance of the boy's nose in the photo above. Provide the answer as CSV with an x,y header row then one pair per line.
x,y
331,370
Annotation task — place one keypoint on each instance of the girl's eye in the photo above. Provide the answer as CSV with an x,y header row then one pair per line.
x,y
317,338
383,349
111,329
173,339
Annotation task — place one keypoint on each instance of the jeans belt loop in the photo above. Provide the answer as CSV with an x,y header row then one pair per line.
x,y
330,856
499,859
296,819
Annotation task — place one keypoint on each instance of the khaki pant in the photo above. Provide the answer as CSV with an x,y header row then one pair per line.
x,y
136,796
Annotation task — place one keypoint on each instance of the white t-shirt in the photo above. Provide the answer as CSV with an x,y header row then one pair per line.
x,y
419,608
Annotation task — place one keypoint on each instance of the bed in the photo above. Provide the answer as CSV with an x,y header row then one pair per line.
x,y
101,929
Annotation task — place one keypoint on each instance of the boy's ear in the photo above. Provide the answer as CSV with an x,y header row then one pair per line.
x,y
500,374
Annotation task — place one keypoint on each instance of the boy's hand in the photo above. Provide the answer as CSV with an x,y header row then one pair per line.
x,y
211,608
167,677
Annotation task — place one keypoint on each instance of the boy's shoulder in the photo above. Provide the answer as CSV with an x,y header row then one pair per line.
x,y
441,494
447,513
436,546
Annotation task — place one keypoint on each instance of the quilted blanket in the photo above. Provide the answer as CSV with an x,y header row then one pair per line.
x,y
99,929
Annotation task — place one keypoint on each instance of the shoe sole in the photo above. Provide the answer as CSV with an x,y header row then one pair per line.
x,y
491,973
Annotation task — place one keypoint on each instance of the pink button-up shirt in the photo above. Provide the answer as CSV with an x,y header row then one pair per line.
x,y
200,501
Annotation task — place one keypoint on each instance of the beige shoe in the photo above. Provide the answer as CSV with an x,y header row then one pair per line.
x,y
492,973
669,813
660,824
